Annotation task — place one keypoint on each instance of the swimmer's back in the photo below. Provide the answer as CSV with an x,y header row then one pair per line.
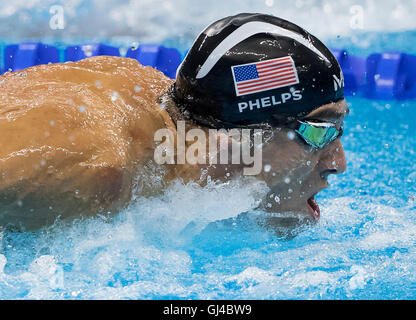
x,y
72,134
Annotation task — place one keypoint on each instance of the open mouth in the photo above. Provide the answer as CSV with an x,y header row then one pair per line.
x,y
313,207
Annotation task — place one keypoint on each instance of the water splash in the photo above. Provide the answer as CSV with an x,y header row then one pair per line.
x,y
156,21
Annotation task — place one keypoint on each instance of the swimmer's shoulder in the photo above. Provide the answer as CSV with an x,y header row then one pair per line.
x,y
96,70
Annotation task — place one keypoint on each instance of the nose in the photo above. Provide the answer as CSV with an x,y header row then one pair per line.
x,y
332,160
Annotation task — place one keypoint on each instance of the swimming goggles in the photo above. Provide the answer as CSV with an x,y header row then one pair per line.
x,y
318,134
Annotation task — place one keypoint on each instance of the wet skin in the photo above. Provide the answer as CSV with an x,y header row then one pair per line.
x,y
71,147
297,170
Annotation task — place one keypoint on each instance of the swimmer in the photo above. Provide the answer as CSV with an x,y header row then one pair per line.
x,y
78,138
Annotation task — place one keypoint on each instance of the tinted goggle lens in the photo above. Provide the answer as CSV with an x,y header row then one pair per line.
x,y
317,135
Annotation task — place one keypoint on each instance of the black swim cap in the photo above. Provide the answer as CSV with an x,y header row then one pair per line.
x,y
244,68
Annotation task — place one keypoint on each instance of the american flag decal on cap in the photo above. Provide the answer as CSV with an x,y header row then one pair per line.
x,y
264,75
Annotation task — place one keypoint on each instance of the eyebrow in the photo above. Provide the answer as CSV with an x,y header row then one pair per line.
x,y
331,113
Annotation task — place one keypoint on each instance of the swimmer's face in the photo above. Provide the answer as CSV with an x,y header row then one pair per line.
x,y
297,170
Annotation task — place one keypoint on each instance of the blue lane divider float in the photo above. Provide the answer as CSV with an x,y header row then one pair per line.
x,y
76,53
164,59
28,54
389,75
353,68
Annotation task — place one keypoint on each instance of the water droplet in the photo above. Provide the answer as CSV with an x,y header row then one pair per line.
x,y
137,88
123,51
287,180
114,96
267,168
134,45
290,190
87,49
308,163
291,135
52,123
81,108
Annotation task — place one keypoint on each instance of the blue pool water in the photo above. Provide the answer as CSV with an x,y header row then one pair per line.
x,y
193,243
